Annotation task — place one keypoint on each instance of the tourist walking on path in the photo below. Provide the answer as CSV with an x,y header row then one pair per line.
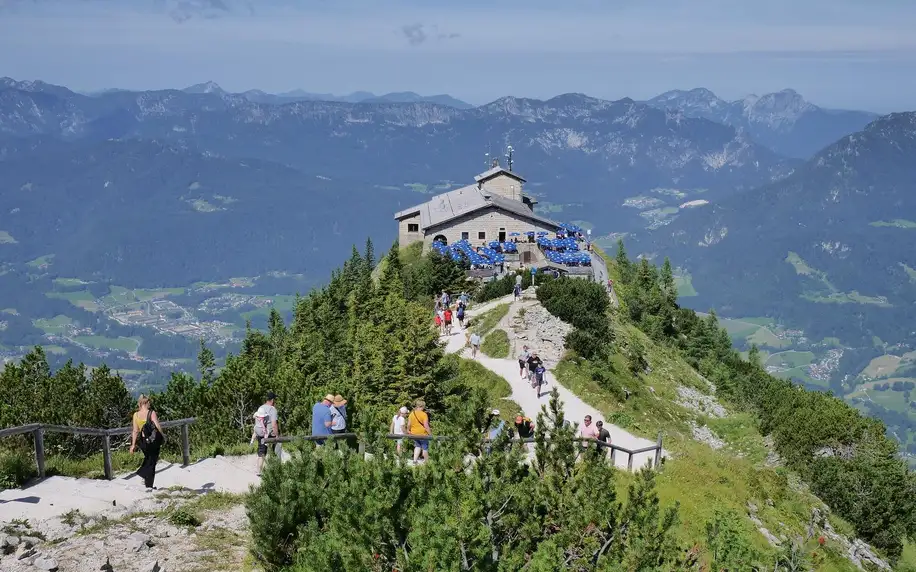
x,y
399,425
147,433
604,436
418,427
523,362
321,418
266,427
475,344
448,321
338,411
517,291
588,430
460,315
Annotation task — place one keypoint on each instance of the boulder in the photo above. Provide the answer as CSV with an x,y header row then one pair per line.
x,y
138,541
45,563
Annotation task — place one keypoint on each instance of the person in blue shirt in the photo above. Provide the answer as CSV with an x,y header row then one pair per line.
x,y
321,418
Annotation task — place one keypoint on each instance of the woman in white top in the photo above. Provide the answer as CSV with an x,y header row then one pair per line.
x,y
399,425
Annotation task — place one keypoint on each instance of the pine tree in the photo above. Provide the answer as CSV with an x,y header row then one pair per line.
x,y
623,264
206,364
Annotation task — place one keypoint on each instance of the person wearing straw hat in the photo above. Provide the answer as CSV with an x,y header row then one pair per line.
x,y
399,425
338,414
322,418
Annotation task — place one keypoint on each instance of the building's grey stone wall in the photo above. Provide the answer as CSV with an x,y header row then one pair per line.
x,y
491,221
406,237
506,186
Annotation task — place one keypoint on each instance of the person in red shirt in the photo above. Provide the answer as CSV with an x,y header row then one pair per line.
x,y
448,321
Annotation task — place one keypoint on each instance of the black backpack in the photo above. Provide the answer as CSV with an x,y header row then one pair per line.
x,y
149,435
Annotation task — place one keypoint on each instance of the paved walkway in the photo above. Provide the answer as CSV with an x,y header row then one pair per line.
x,y
522,393
58,495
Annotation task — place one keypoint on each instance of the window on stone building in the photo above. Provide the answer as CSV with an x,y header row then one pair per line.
x,y
482,235
413,227
465,236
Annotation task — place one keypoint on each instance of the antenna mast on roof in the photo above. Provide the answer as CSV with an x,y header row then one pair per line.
x,y
486,157
509,156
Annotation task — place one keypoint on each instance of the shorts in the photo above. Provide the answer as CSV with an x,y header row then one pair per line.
x,y
262,446
448,322
421,443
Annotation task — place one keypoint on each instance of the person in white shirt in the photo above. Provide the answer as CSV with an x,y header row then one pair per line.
x,y
265,427
399,425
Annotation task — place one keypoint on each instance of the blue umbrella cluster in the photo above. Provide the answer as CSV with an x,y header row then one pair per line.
x,y
503,246
571,228
558,243
569,258
463,248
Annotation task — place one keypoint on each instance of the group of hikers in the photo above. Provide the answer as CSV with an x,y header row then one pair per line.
x,y
444,314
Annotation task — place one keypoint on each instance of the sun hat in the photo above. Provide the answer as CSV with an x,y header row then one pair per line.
x,y
495,412
329,397
403,410
339,400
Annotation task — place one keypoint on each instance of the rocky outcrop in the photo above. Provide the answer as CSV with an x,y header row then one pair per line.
x,y
542,332
166,534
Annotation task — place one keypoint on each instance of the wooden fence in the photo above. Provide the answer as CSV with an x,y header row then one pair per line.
x,y
38,431
654,462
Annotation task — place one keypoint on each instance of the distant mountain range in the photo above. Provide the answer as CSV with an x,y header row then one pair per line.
x,y
258,96
782,121
587,154
822,249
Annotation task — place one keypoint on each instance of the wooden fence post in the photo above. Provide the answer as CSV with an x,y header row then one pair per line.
x,y
185,445
630,463
658,452
362,448
106,456
39,435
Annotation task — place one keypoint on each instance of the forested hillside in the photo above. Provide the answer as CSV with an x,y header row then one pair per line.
x,y
371,338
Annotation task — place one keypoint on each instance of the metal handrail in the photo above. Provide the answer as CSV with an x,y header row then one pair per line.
x,y
601,444
38,431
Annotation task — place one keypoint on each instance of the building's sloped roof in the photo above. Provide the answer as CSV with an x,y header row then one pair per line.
x,y
453,204
497,170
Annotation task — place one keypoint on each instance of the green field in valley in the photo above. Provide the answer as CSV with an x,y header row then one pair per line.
x,y
130,345
56,325
896,223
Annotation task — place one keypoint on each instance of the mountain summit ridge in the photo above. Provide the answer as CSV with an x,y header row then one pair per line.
x,y
784,120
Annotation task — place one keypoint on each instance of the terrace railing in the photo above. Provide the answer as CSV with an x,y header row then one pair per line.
x,y
38,431
655,461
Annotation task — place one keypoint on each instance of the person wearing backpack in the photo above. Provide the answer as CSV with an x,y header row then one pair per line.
x,y
266,426
338,415
147,433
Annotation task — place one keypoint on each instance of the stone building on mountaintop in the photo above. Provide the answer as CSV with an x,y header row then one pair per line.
x,y
492,208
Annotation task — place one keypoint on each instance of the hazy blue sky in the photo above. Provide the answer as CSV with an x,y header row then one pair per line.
x,y
838,53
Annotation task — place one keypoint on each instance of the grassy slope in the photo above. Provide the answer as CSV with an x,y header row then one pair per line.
x,y
701,479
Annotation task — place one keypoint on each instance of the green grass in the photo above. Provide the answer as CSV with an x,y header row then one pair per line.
x,y
41,261
69,282
6,238
684,283
10,311
896,223
79,298
827,293
56,325
496,344
475,375
202,206
104,343
764,337
485,322
790,359
56,350
909,272
701,479
142,295
417,187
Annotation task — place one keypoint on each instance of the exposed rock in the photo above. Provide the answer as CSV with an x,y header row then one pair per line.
x,y
690,398
23,551
704,434
543,332
138,541
857,551
44,563
752,514
8,543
